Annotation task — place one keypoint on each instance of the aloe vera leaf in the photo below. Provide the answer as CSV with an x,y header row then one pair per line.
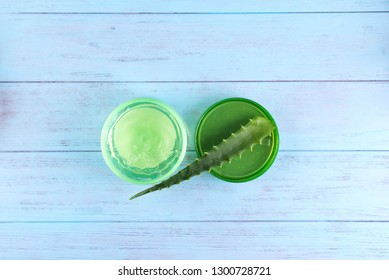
x,y
243,140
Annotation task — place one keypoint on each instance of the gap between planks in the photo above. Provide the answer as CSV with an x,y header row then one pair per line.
x,y
193,81
194,221
197,13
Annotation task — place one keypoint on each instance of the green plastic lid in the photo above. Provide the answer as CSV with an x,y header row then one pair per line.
x,y
226,117
143,141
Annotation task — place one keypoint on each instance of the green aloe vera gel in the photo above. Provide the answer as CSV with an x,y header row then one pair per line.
x,y
143,141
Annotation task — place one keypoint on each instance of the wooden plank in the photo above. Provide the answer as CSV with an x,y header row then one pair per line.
x,y
299,186
174,6
324,116
201,47
195,241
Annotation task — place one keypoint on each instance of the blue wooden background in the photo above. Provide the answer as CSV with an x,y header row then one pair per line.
x,y
320,67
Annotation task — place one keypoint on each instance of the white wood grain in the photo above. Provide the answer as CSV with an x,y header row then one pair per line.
x,y
324,116
299,186
163,6
201,47
195,241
